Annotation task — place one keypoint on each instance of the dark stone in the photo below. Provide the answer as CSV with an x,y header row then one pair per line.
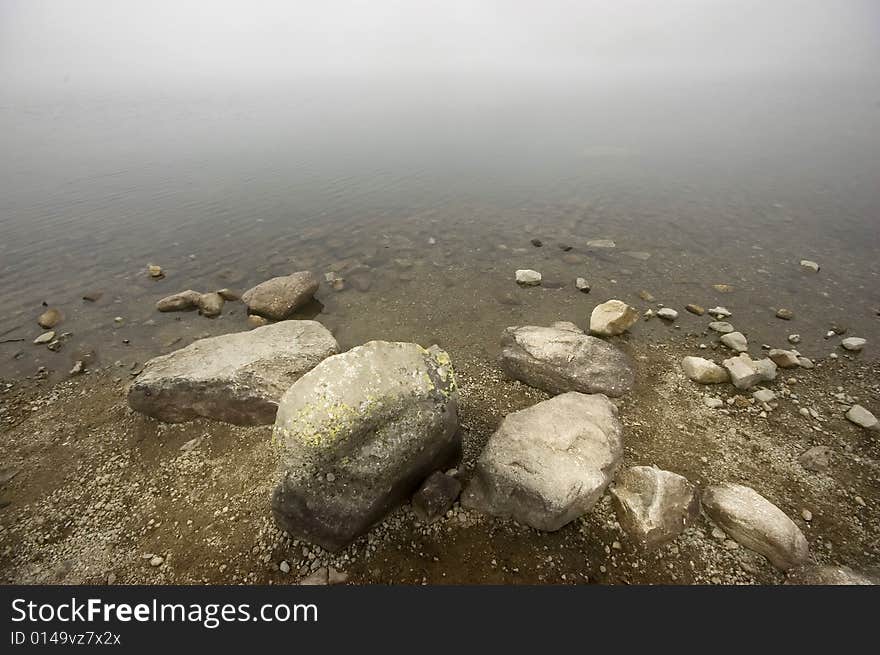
x,y
435,497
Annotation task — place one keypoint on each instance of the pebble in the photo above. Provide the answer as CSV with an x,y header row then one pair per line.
x,y
713,403
721,326
78,368
764,395
720,312
794,338
646,296
853,343
155,272
695,309
284,566
807,514
667,313
723,288
582,285
784,314
156,560
810,265
46,337
601,243
537,243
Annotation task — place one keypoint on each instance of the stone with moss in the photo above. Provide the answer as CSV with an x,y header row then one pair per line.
x,y
358,434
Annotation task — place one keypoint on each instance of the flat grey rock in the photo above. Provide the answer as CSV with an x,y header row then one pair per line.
x,y
237,378
559,360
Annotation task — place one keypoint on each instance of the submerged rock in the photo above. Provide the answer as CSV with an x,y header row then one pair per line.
x,y
238,378
611,318
46,337
358,434
548,464
703,371
756,523
559,360
210,304
178,302
654,506
50,318
280,297
785,314
695,309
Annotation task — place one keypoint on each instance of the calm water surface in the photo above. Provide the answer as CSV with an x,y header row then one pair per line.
x,y
425,194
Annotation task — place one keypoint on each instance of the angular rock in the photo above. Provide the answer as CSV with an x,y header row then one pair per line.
x,y
720,313
810,265
756,523
548,464
746,372
721,326
559,360
210,304
825,575
238,378
703,371
178,302
654,506
611,318
358,434
736,341
783,358
435,497
528,278
279,297
764,395
817,458
862,417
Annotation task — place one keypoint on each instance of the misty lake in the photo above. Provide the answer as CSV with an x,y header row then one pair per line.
x,y
425,194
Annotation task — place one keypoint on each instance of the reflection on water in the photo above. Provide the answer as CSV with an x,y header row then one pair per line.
x,y
425,196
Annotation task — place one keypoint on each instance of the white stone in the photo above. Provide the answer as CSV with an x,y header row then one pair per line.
x,y
720,312
746,372
667,313
853,343
736,341
862,417
810,265
756,523
611,318
528,277
703,370
548,464
721,326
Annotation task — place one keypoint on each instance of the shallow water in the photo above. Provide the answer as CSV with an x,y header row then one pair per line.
x,y
425,193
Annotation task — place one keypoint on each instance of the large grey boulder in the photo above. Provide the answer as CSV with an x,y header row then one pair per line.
x,y
654,506
279,297
548,464
238,378
756,523
559,360
358,434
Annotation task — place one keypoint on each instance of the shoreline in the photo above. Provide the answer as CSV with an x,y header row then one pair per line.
x,y
100,488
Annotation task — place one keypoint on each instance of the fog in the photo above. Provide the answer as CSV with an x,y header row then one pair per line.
x,y
47,46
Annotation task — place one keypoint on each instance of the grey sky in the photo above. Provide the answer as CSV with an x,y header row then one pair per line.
x,y
44,43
